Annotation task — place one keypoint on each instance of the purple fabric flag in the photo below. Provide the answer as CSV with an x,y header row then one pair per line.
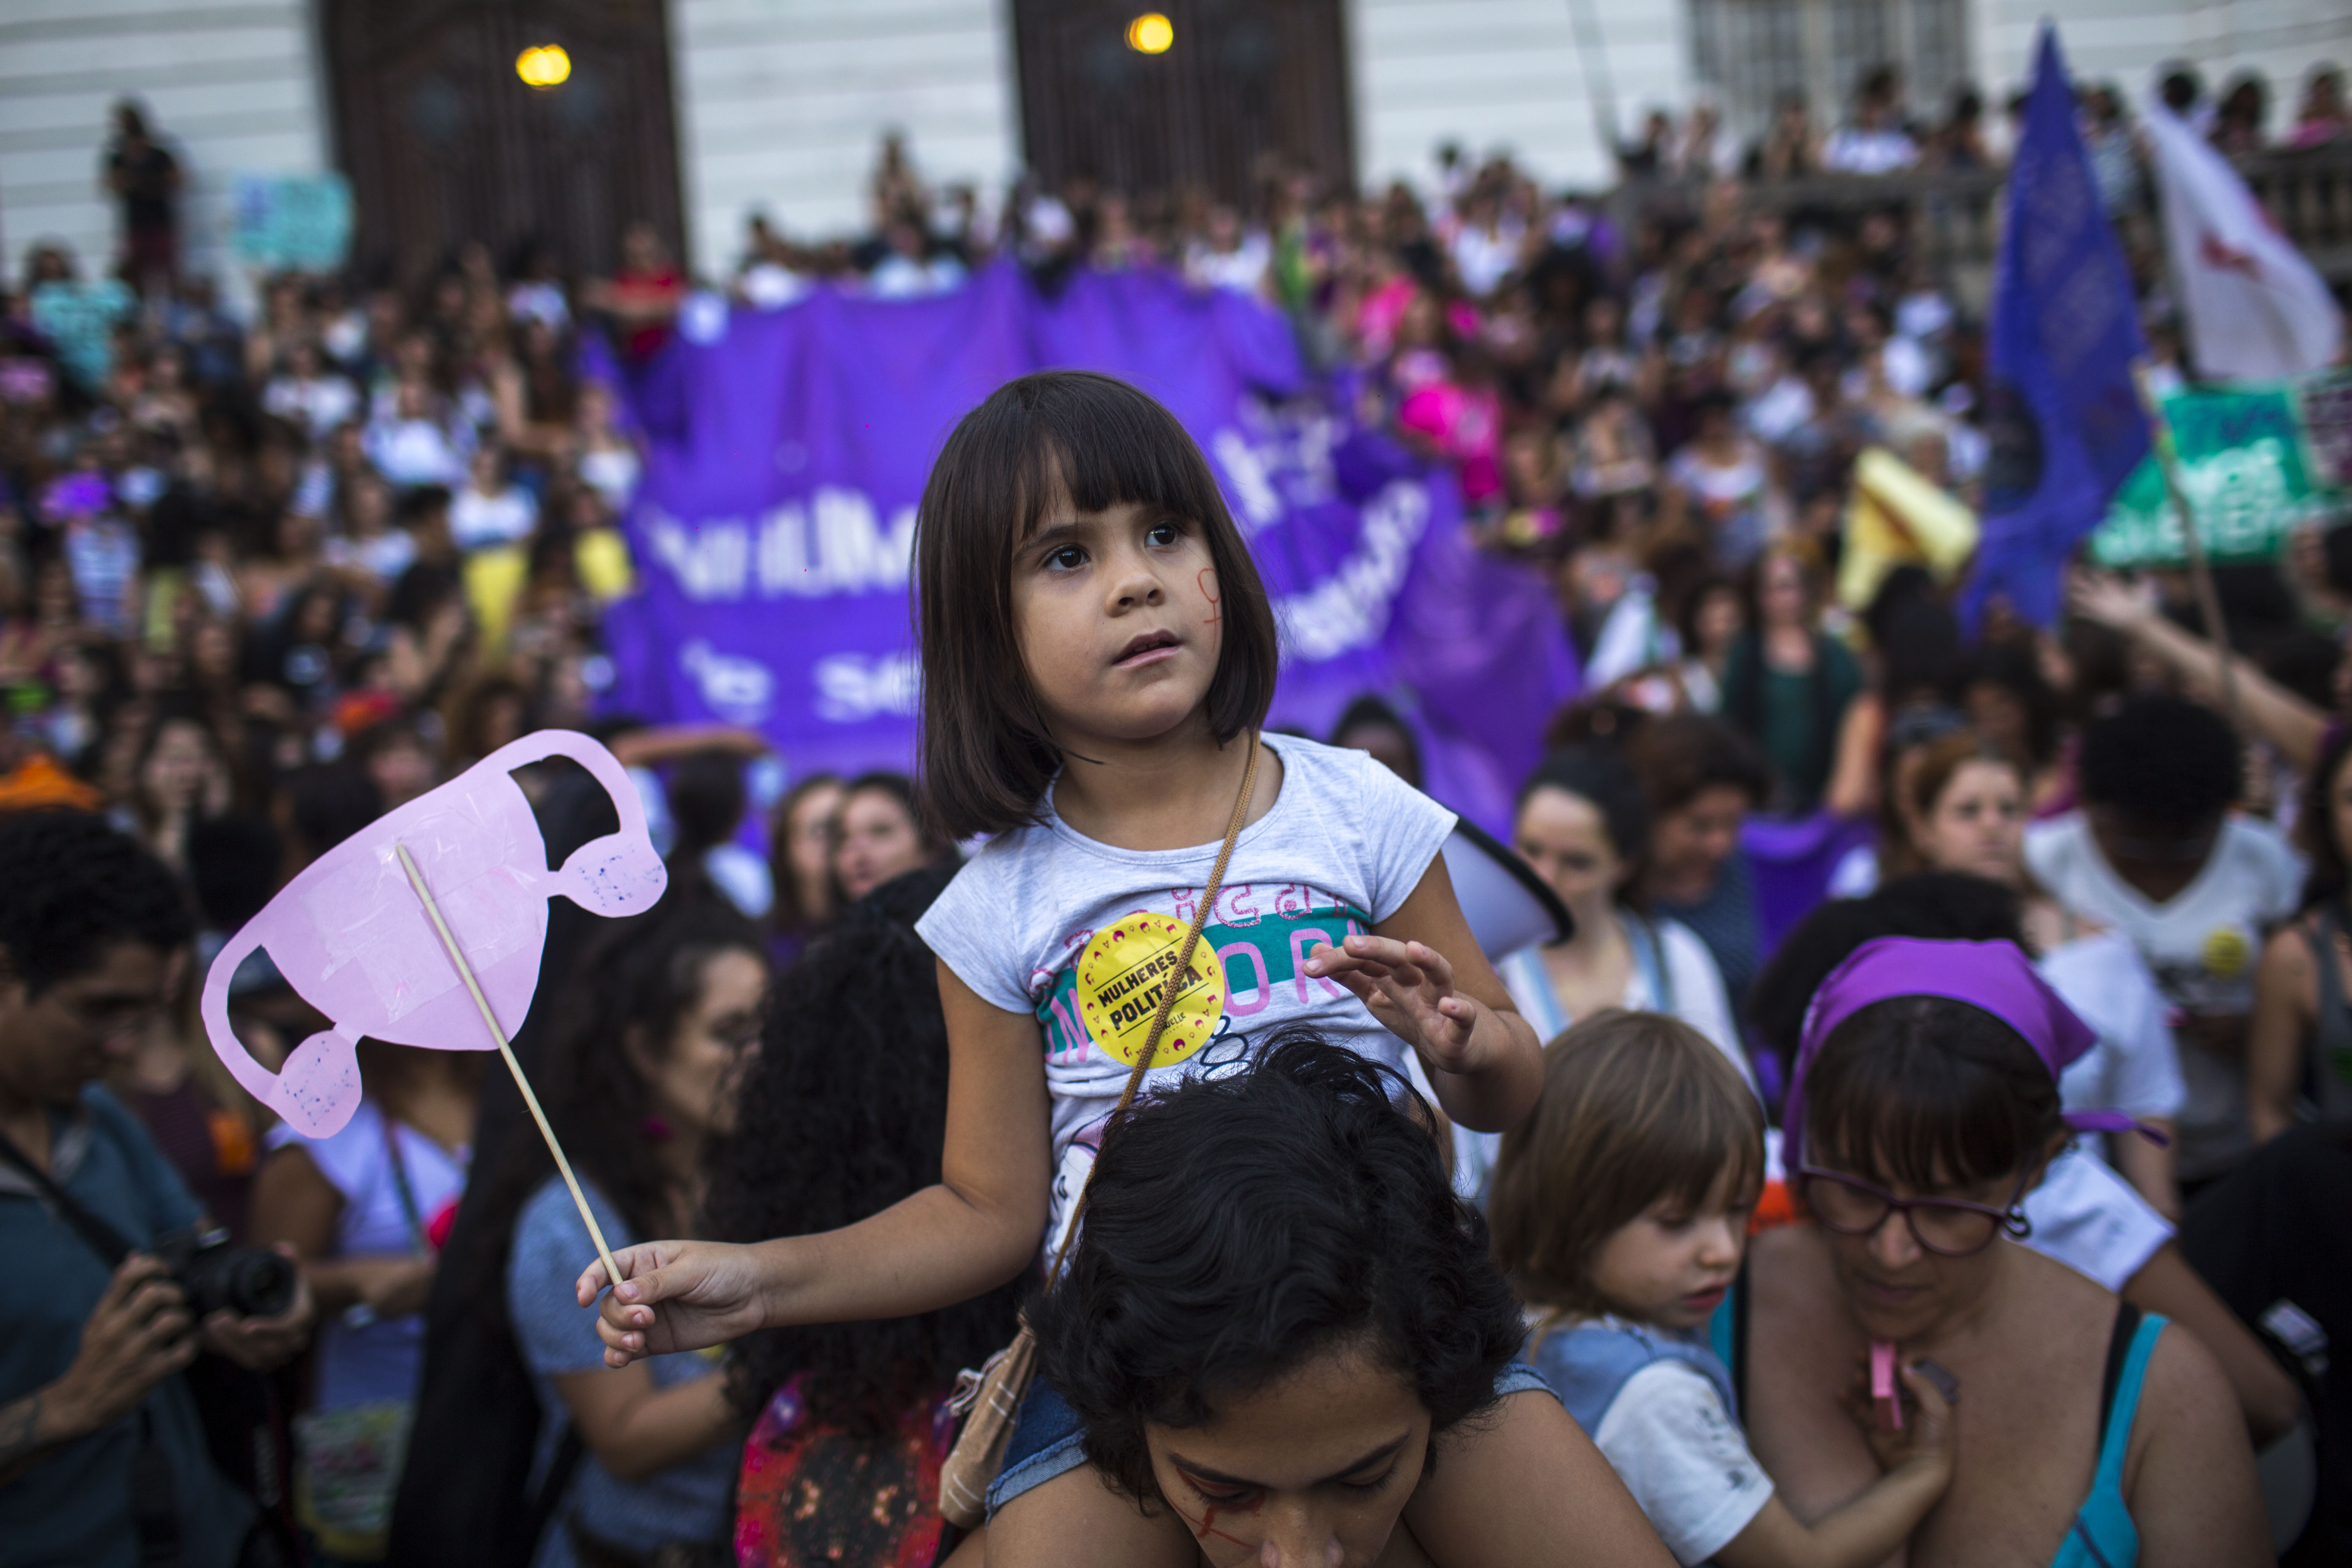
x,y
786,451
1793,859
2065,425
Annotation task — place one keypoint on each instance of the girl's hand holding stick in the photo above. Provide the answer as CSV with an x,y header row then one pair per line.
x,y
710,1293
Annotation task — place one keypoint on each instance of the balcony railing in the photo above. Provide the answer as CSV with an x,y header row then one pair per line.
x,y
2308,196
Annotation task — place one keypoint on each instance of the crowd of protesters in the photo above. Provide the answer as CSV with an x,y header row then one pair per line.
x,y
264,579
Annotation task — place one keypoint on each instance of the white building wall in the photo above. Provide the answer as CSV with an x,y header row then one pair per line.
x,y
1507,75
232,87
782,104
2123,42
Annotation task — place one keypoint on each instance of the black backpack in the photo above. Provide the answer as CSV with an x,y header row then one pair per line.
x,y
465,1499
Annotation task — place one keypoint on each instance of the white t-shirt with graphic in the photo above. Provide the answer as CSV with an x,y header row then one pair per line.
x,y
1082,935
1685,1459
2201,944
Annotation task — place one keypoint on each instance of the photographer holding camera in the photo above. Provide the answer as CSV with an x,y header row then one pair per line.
x,y
117,1281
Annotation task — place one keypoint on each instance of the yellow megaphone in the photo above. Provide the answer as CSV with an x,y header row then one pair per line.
x,y
1899,517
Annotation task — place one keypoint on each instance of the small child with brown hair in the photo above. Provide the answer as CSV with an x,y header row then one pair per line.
x,y
1620,1211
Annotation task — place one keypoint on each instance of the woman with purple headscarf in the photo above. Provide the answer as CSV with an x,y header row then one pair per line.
x,y
1925,1105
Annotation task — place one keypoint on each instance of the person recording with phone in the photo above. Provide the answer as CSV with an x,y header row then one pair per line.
x,y
121,1280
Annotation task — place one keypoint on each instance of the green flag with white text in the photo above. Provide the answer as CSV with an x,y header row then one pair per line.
x,y
2247,473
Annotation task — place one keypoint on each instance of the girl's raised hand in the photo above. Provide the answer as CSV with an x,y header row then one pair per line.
x,y
1409,986
709,1292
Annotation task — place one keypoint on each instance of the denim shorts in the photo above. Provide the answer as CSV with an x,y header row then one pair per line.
x,y
1048,1438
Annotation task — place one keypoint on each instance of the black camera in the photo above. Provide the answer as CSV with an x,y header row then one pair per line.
x,y
246,1281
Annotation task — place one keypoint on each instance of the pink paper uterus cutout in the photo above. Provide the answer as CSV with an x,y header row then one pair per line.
x,y
353,940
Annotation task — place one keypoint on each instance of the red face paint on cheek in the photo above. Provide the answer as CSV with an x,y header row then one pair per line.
x,y
1206,1527
1208,583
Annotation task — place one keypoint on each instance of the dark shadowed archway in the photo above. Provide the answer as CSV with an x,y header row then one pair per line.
x,y
444,144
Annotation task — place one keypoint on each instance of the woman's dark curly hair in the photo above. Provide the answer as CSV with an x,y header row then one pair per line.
x,y
1239,1227
75,886
2166,760
843,1113
643,974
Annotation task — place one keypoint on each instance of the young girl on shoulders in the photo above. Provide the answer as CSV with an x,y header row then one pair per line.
x,y
1099,655
1620,1212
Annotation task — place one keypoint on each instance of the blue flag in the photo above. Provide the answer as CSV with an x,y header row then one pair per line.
x,y
2065,425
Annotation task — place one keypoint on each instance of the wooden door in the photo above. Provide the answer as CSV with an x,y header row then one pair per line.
x,y
1243,78
444,144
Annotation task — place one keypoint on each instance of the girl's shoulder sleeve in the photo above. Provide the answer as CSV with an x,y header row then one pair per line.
x,y
1398,829
1670,1439
976,926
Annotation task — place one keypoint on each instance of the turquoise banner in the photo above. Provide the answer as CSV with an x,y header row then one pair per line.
x,y
2249,474
302,222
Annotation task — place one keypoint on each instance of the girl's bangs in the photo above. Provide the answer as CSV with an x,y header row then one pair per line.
x,y
1093,450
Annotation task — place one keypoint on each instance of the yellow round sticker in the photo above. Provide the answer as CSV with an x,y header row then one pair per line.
x,y
2226,952
1122,974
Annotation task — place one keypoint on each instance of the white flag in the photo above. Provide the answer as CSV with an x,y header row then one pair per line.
x,y
2256,310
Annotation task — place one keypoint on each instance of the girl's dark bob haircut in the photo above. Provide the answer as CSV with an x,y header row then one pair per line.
x,y
1928,1092
1063,438
1239,1228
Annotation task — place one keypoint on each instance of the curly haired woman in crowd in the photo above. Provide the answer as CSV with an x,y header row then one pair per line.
x,y
844,1464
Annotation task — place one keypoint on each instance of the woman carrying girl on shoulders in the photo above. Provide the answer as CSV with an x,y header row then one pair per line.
x,y
1099,653
1280,1330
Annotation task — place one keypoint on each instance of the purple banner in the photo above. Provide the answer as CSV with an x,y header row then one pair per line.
x,y
787,450
1794,859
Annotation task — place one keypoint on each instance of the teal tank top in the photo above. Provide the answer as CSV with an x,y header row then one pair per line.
x,y
2103,1534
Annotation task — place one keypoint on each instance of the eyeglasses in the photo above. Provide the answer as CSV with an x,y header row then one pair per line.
x,y
111,1018
1948,1227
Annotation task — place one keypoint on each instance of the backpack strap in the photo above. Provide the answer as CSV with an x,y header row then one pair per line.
x,y
110,1244
1650,953
2332,1019
540,1506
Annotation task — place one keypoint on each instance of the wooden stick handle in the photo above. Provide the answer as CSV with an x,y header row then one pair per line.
x,y
2201,572
466,973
